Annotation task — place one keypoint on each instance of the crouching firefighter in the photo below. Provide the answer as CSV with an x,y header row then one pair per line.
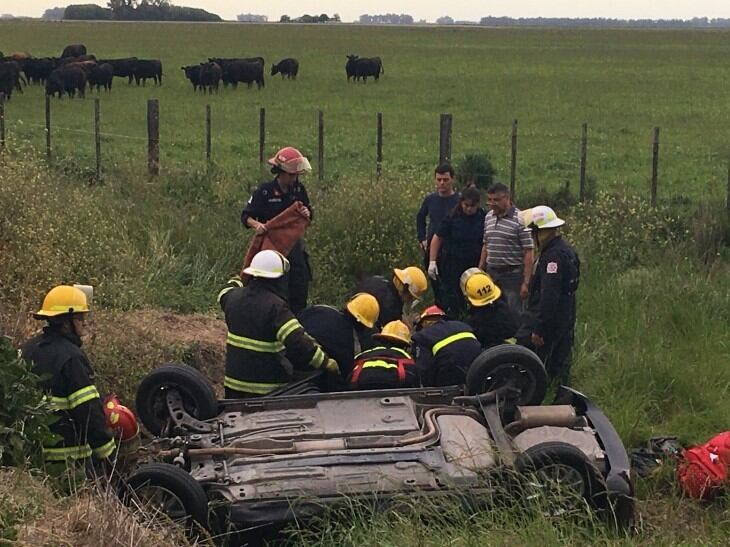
x,y
68,379
443,349
389,365
261,328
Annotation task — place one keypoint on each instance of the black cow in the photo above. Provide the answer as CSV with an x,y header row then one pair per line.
x,y
101,75
11,78
124,68
287,67
38,70
192,73
241,71
219,60
148,68
205,76
365,67
350,66
67,80
74,50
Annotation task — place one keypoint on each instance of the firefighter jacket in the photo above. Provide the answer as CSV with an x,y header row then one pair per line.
x,y
389,300
493,323
444,351
268,200
260,328
383,368
339,334
68,380
551,301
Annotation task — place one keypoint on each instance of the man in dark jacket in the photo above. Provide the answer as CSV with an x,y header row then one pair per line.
x,y
342,334
443,349
549,323
407,286
489,313
68,379
261,327
272,198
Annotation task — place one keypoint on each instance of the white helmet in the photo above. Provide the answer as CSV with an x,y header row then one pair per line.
x,y
269,264
540,217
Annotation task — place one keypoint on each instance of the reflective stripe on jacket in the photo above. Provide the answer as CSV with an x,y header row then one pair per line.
x,y
443,351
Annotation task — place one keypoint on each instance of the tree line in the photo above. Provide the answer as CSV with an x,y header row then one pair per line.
x,y
133,10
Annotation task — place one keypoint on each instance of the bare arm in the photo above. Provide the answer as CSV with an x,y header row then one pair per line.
x,y
528,257
483,258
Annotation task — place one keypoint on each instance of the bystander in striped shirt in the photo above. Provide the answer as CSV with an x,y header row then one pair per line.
x,y
506,239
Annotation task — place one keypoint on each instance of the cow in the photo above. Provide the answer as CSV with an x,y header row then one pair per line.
x,y
148,68
124,68
101,75
205,76
67,80
38,70
11,77
242,71
286,67
350,66
74,50
365,67
79,59
192,73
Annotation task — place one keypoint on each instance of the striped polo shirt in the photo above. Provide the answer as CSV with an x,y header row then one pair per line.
x,y
506,239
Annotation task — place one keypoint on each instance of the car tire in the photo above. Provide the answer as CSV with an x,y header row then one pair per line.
x,y
170,490
508,364
198,396
564,465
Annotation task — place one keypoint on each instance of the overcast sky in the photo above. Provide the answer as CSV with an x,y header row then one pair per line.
x,y
431,9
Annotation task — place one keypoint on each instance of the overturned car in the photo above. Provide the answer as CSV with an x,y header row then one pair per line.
x,y
251,463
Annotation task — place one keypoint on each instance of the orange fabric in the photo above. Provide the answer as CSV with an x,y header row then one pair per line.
x,y
282,233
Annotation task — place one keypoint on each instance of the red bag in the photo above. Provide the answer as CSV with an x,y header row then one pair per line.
x,y
702,470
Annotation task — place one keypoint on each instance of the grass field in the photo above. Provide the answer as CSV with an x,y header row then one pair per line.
x,y
622,82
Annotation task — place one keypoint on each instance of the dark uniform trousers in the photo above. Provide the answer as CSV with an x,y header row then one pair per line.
x,y
384,291
444,351
67,378
267,201
551,307
262,330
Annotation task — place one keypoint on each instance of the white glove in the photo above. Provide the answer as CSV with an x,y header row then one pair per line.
x,y
433,270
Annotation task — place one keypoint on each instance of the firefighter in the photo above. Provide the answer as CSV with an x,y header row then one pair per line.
x,y
272,198
489,314
343,334
389,365
406,287
549,321
68,379
261,327
443,349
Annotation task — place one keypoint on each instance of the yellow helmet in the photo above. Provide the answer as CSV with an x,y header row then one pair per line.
x,y
364,307
478,287
395,331
61,300
413,279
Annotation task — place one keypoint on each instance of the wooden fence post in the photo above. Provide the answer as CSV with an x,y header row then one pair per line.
x,y
583,155
97,136
207,133
2,122
262,136
727,199
379,147
513,161
153,137
320,155
654,165
48,127
445,137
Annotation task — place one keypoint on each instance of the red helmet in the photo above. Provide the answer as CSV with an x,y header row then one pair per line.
x,y
433,313
290,160
120,419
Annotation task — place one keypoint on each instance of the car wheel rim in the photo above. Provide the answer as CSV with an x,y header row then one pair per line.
x,y
561,487
511,375
160,410
158,500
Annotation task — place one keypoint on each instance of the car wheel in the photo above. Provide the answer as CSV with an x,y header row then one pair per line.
x,y
508,365
161,489
560,476
197,394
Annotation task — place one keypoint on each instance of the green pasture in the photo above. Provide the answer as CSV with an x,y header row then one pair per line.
x,y
623,83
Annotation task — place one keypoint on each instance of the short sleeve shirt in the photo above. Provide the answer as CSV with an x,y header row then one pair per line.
x,y
506,239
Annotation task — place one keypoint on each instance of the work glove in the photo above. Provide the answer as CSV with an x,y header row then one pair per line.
x,y
433,270
332,367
